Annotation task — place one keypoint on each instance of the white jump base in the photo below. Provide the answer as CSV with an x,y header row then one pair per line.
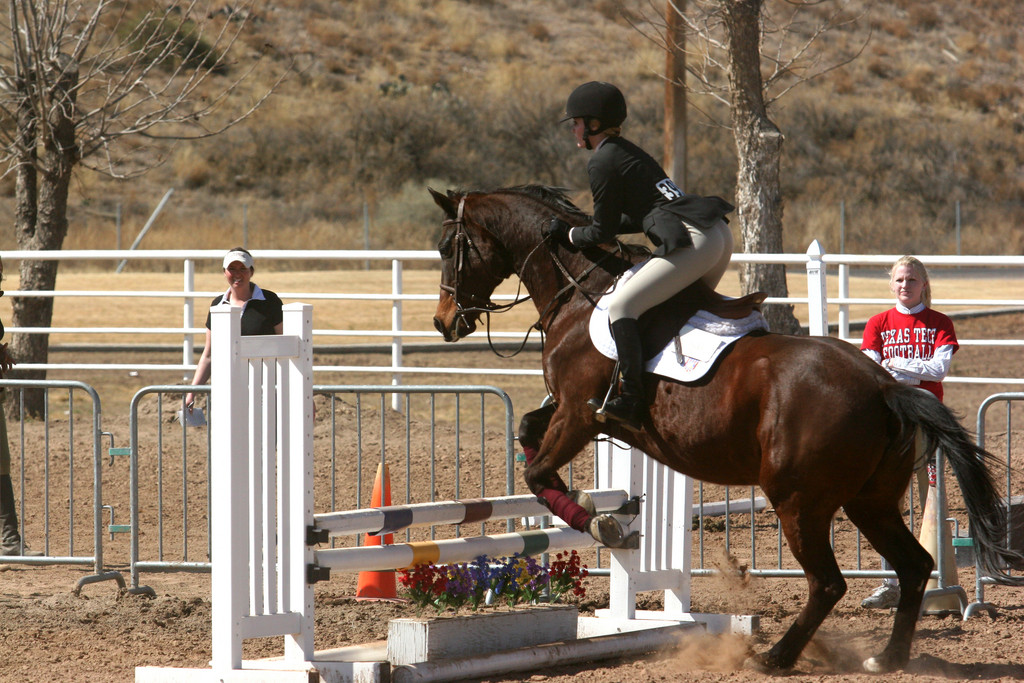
x,y
262,564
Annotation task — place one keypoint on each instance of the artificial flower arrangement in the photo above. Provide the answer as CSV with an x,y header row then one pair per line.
x,y
513,580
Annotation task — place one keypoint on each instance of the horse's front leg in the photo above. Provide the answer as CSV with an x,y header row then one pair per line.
x,y
549,442
532,428
575,507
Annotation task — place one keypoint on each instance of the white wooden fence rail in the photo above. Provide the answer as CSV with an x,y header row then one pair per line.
x,y
821,311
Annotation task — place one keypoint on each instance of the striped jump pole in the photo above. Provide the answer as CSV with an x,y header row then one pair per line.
x,y
388,520
405,555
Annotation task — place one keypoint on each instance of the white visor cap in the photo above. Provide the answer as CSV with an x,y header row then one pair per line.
x,y
241,256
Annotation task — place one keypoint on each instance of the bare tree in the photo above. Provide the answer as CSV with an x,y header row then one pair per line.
x,y
746,54
77,78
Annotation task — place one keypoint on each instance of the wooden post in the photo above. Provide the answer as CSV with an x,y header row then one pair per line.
x,y
262,397
675,95
231,476
663,560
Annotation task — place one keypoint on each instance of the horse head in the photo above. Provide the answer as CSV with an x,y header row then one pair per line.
x,y
473,263
489,236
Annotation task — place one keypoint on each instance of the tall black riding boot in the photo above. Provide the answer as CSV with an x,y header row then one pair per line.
x,y
8,514
629,407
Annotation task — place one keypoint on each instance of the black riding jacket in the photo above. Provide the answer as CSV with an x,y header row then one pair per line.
x,y
632,193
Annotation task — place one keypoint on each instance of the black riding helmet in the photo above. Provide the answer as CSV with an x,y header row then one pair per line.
x,y
597,100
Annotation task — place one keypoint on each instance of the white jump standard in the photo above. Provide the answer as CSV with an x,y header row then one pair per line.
x,y
264,563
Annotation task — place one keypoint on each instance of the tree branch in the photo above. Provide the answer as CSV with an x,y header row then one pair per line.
x,y
787,45
164,74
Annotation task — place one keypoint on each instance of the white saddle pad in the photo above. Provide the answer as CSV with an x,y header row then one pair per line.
x,y
691,353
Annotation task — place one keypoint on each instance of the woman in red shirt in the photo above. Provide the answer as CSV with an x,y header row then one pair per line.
x,y
916,345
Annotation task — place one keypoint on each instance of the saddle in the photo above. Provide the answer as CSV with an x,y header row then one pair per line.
x,y
660,324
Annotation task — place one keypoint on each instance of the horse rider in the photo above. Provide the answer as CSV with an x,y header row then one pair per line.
x,y
632,193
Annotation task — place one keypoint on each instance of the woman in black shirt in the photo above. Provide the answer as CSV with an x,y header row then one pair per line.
x,y
261,309
632,193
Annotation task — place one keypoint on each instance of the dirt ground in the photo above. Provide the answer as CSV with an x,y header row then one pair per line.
x,y
101,634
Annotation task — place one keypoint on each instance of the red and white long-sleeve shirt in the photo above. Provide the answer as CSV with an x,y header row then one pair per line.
x,y
915,345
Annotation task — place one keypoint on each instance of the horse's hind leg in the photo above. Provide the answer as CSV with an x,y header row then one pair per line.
x,y
885,530
808,537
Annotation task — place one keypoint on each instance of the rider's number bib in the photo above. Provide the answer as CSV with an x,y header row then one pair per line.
x,y
669,189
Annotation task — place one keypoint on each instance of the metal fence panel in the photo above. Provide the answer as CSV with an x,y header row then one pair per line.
x,y
58,477
1002,441
452,436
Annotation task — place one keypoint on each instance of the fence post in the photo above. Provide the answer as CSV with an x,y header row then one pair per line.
x,y
296,491
396,327
230,471
817,298
189,311
663,559
262,395
844,293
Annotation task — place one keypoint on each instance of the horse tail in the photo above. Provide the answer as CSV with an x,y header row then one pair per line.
x,y
987,514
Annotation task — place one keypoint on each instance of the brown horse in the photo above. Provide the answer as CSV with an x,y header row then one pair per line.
x,y
812,421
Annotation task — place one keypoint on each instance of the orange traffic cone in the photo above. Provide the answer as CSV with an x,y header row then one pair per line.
x,y
378,585
940,604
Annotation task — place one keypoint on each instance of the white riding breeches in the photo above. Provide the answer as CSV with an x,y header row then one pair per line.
x,y
663,276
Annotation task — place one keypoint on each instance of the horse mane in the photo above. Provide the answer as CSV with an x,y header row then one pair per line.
x,y
555,198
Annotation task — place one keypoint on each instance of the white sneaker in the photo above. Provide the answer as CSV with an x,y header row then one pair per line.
x,y
885,596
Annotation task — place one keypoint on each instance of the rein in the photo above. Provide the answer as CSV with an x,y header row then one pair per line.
x,y
484,306
575,282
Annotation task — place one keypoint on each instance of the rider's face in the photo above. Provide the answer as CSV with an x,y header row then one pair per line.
x,y
578,128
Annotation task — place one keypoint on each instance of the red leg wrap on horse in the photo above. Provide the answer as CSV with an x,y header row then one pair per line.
x,y
559,503
563,506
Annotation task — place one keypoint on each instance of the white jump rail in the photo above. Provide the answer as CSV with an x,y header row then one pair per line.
x,y
816,260
263,563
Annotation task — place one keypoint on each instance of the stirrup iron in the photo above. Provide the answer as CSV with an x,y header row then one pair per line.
x,y
598,406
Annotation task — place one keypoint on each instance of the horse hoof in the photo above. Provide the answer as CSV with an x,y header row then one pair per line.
x,y
881,665
606,529
609,533
583,499
873,665
760,664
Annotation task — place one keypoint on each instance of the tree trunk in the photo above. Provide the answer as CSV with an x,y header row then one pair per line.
x,y
41,193
758,148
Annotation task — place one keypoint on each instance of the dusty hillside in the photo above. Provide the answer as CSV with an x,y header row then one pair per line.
x,y
389,97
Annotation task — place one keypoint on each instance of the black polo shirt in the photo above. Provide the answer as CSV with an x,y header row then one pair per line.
x,y
260,314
